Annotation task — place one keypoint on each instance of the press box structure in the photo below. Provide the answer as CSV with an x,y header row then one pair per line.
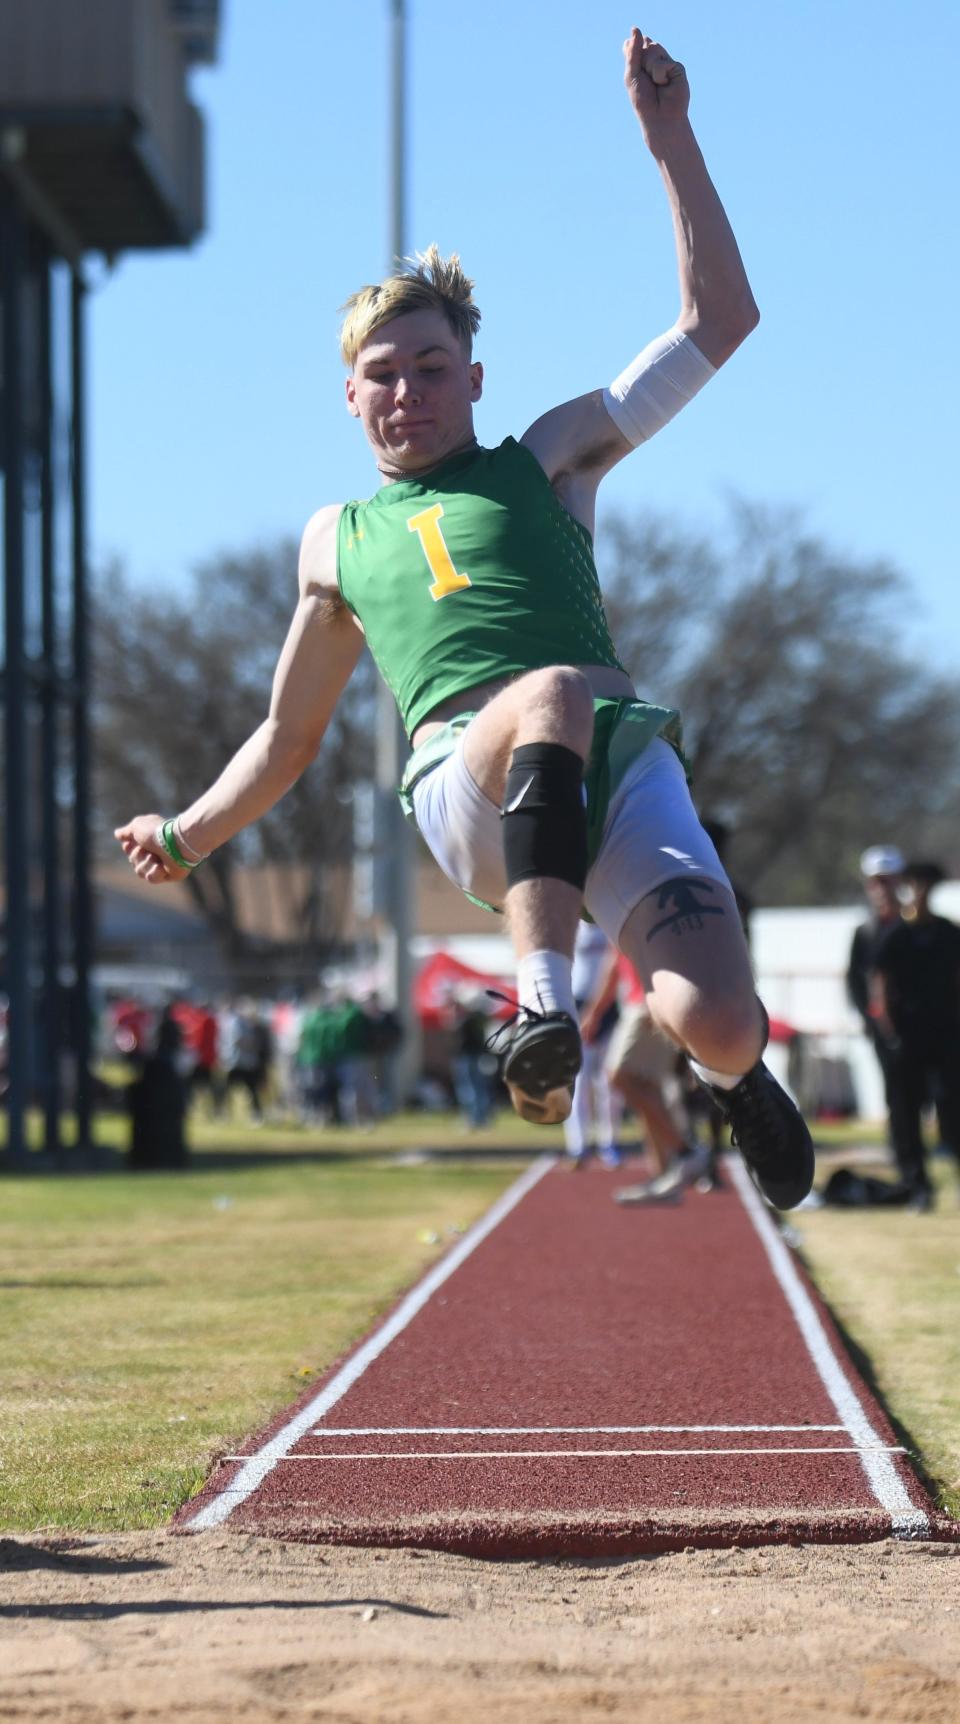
x,y
101,151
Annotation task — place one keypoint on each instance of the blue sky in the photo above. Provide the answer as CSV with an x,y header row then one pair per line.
x,y
217,418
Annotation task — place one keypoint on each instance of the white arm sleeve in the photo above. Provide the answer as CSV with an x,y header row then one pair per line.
x,y
652,390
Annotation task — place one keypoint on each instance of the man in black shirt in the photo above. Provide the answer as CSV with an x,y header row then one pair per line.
x,y
915,994
881,868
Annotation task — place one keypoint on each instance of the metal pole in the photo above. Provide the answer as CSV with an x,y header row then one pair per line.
x,y
15,683
398,134
82,900
49,743
394,871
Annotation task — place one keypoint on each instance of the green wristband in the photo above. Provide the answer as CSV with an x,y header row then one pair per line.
x,y
165,836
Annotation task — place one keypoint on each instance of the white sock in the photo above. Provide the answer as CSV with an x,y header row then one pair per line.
x,y
545,982
719,1080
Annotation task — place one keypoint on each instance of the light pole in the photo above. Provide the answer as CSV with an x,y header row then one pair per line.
x,y
398,131
394,861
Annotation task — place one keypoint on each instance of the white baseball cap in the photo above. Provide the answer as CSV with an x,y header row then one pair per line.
x,y
881,859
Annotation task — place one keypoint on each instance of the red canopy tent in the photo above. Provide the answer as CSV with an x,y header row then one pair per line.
x,y
441,978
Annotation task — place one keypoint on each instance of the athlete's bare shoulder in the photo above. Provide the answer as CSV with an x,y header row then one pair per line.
x,y
576,437
576,444
318,554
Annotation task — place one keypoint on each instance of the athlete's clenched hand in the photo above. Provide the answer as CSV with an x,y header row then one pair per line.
x,y
146,856
656,84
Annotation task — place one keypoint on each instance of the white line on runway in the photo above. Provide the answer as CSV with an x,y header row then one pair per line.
x,y
256,1466
907,1521
557,1430
571,1454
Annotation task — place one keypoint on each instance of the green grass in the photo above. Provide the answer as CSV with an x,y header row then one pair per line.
x,y
283,1135
893,1281
149,1322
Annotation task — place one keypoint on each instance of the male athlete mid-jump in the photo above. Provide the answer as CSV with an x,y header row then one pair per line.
x,y
539,780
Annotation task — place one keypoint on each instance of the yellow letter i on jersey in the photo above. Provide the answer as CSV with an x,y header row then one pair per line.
x,y
446,580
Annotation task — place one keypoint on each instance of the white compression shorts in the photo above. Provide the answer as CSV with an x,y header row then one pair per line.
x,y
658,383
651,834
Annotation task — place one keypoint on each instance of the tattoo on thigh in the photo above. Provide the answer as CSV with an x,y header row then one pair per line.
x,y
686,910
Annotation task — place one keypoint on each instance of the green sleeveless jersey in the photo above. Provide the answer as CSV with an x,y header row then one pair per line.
x,y
473,572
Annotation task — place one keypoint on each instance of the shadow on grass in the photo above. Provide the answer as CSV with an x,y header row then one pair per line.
x,y
210,1159
53,1283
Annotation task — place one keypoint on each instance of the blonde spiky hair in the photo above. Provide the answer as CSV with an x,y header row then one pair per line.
x,y
431,281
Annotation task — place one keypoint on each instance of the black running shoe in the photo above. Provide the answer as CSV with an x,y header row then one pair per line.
x,y
541,1057
771,1135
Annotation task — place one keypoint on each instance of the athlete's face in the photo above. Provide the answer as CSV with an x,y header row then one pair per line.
x,y
413,389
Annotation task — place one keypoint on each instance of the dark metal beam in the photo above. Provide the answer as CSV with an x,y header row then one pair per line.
x,y
49,733
82,897
12,248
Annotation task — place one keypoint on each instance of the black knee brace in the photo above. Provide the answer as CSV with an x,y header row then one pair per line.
x,y
544,815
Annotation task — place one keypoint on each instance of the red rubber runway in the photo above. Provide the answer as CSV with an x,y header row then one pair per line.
x,y
579,1378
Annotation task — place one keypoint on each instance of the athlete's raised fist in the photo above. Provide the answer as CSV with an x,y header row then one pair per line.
x,y
657,84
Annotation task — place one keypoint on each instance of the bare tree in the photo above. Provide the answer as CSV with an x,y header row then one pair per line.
x,y
182,678
810,730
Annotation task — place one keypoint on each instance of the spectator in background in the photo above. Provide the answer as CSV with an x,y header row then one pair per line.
x,y
244,1054
358,1102
157,1100
315,1067
133,1027
206,1052
595,1116
384,1037
198,1031
915,1002
286,1016
641,1063
472,1066
881,869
